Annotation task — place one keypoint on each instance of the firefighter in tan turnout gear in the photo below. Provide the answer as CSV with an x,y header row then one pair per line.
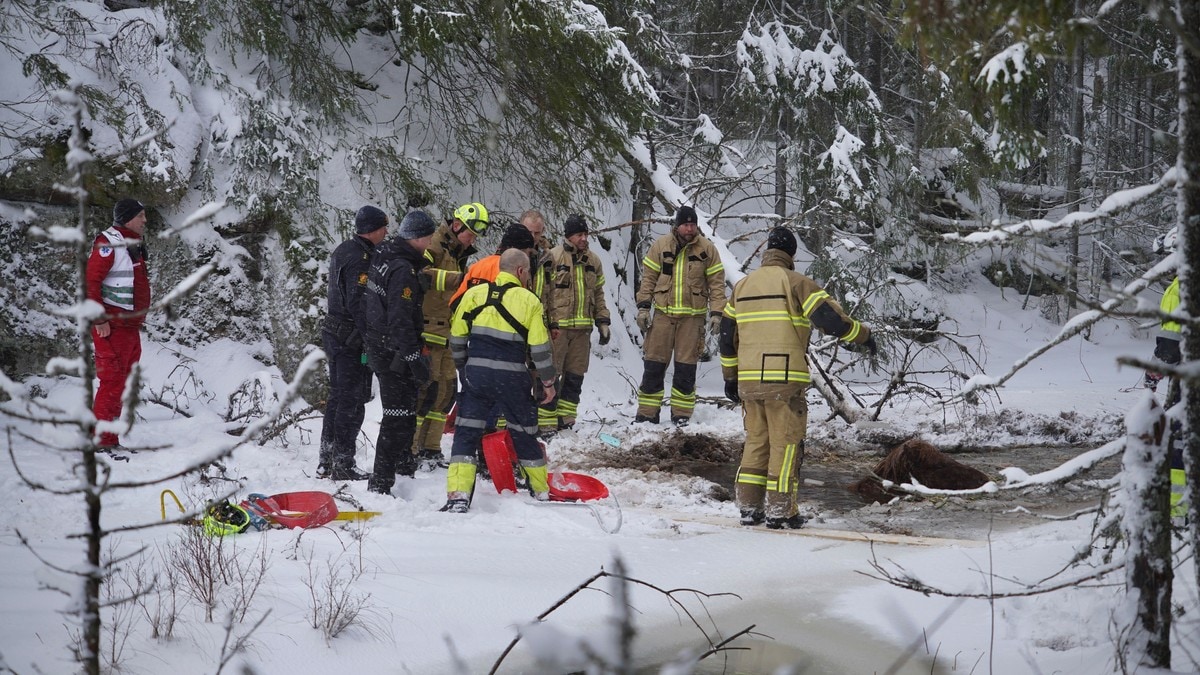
x,y
683,279
447,255
764,338
574,304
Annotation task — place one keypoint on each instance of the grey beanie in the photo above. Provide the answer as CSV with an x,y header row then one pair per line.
x,y
368,219
415,225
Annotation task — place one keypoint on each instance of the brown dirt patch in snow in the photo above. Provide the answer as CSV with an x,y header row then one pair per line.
x,y
678,453
827,478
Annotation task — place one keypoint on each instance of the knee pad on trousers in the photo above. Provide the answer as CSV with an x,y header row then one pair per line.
x,y
685,377
572,387
653,374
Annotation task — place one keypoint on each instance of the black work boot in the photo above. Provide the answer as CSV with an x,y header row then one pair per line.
x,y
348,473
794,523
407,465
378,487
652,419
752,516
680,420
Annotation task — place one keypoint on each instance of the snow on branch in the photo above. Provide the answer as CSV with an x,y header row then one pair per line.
x,y
1075,326
997,67
200,215
1111,206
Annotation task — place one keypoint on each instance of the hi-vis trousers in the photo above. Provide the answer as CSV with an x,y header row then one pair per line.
x,y
436,399
670,336
771,458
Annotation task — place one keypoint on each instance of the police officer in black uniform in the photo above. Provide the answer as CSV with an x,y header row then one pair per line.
x,y
349,377
392,324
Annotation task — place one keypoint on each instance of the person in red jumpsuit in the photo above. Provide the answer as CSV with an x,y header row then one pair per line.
x,y
117,279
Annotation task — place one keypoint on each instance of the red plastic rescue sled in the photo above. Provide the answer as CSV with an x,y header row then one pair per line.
x,y
295,509
565,486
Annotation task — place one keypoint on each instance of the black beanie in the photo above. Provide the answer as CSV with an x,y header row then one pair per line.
x,y
368,219
516,236
782,239
126,210
685,214
416,224
574,225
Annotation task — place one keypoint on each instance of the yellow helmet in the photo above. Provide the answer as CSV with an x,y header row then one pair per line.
x,y
474,216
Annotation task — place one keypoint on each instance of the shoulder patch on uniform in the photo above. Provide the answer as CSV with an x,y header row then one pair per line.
x,y
105,251
406,293
362,279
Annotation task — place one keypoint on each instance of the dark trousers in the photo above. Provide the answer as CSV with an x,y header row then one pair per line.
x,y
349,391
398,394
488,392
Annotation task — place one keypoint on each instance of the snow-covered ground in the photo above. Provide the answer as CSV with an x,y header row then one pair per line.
x,y
446,593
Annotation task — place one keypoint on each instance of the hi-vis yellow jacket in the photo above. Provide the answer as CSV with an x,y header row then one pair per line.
x,y
495,323
447,261
682,280
1169,303
576,297
769,319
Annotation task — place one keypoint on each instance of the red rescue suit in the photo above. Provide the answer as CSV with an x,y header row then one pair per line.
x,y
117,279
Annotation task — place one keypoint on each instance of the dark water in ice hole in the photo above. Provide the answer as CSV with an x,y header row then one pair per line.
x,y
823,485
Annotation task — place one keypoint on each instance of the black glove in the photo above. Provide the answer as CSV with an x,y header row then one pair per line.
x,y
731,391
414,365
605,334
871,346
421,368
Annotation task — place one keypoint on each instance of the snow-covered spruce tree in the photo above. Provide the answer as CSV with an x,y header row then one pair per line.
x,y
538,94
46,45
1034,34
1183,17
1053,144
91,466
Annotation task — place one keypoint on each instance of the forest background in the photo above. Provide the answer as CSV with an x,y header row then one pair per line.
x,y
1041,147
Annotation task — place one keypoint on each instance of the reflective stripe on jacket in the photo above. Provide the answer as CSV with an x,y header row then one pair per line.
x,y
447,259
683,279
117,276
769,319
576,298
490,340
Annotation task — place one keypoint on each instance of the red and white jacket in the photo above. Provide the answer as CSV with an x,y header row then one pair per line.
x,y
117,277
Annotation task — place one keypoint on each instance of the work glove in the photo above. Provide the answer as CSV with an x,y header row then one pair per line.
x,y
643,320
871,346
1152,379
415,365
731,391
605,334
421,368
714,323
